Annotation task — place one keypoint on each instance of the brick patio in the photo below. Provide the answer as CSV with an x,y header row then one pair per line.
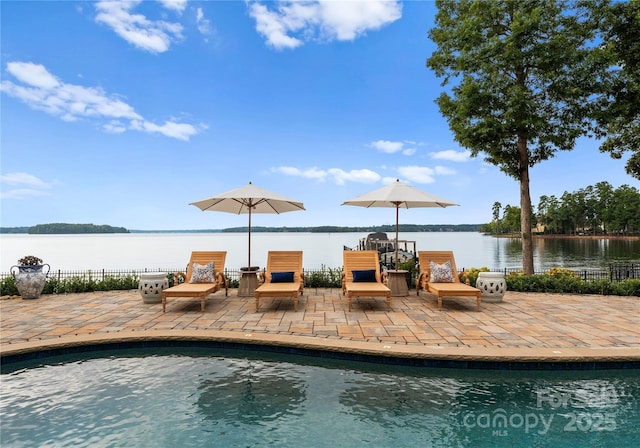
x,y
524,327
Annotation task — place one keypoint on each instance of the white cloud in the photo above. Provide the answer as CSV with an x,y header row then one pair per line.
x,y
23,179
309,173
409,151
387,146
423,174
28,186
114,127
154,36
22,193
325,20
181,131
273,27
204,26
391,147
41,90
340,177
444,171
418,174
176,5
454,156
364,176
35,75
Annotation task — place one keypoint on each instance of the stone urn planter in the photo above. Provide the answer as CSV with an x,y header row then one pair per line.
x,y
30,277
492,285
151,285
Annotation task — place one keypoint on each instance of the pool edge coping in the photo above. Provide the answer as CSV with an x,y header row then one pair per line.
x,y
313,343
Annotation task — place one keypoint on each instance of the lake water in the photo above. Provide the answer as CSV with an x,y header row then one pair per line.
x,y
172,250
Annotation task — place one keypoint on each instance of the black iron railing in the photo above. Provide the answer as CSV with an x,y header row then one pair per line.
x,y
616,272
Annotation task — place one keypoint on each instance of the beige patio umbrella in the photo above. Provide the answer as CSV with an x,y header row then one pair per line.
x,y
398,195
249,200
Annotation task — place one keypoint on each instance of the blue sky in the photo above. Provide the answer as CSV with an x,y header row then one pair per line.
x,y
124,113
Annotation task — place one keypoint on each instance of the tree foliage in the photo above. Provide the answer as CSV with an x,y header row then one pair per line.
x,y
523,74
593,210
618,114
378,228
64,228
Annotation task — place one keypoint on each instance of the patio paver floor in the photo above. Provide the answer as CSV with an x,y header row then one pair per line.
x,y
525,326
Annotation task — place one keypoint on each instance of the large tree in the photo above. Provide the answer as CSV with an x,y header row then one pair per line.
x,y
618,118
523,74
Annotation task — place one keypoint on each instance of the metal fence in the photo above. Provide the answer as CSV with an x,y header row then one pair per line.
x,y
616,272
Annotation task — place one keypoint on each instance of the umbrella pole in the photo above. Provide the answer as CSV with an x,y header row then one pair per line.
x,y
249,265
397,213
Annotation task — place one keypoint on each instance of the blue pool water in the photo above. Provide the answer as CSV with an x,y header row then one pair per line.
x,y
234,398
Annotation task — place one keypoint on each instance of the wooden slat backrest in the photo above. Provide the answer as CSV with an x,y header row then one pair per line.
x,y
204,257
425,257
285,261
360,260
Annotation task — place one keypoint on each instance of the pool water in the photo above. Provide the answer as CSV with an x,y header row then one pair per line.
x,y
243,399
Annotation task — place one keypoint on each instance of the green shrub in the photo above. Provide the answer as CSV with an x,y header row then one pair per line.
x,y
118,283
553,281
561,273
472,275
8,287
630,287
413,272
570,284
324,278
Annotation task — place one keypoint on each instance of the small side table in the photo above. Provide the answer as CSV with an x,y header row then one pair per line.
x,y
248,282
492,285
151,285
397,282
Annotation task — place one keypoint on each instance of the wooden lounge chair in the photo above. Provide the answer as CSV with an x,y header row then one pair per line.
x,y
368,281
283,277
429,281
201,290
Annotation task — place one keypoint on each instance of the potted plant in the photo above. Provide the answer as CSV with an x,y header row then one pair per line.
x,y
30,278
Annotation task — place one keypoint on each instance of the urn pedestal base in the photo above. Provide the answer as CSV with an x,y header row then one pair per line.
x,y
248,282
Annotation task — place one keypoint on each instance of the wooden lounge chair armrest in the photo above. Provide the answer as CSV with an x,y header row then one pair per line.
x,y
179,277
423,280
464,277
302,280
384,278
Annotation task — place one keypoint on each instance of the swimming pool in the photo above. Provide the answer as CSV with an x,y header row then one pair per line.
x,y
168,397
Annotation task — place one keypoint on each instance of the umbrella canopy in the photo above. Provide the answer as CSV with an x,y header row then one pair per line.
x,y
249,200
398,195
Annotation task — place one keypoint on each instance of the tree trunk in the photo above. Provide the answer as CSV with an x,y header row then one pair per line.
x,y
525,208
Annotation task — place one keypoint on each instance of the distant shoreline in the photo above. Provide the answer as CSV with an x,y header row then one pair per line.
x,y
58,229
577,237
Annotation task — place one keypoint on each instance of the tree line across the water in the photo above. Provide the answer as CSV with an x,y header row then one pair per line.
x,y
92,228
594,210
64,228
368,229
